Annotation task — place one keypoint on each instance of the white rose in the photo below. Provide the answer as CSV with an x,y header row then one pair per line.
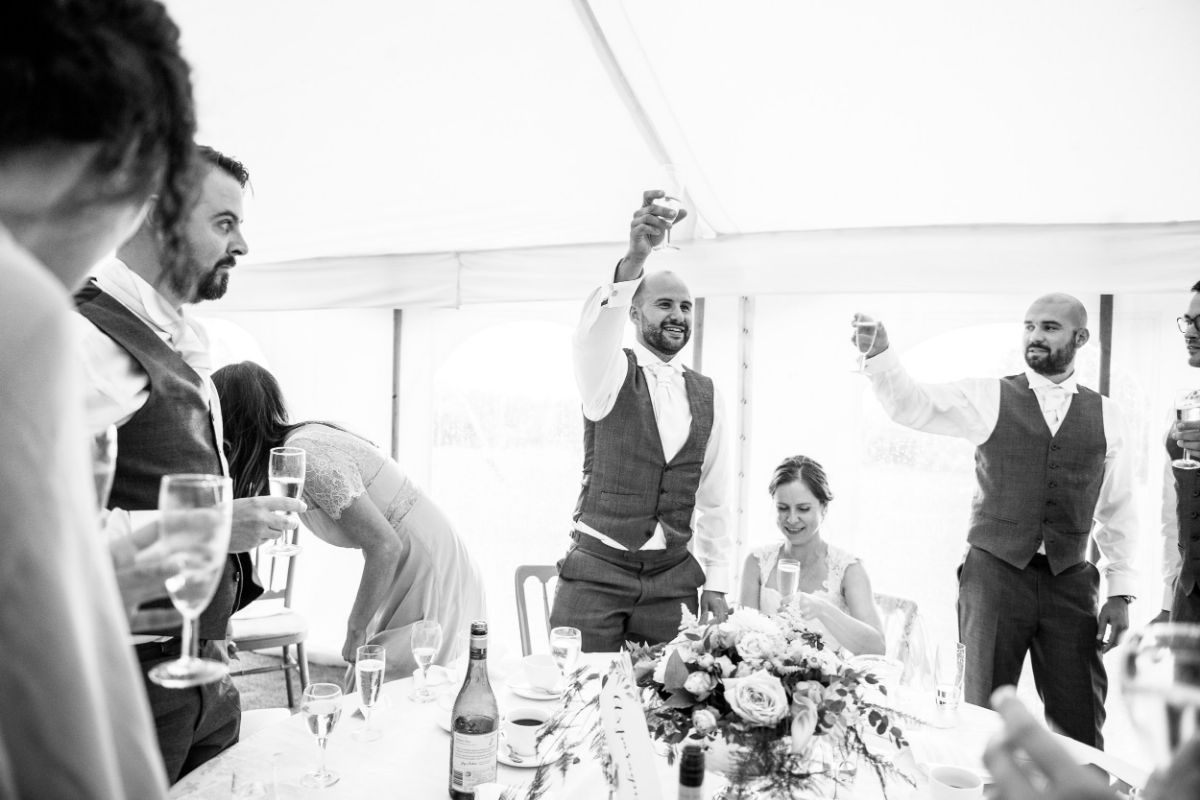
x,y
705,661
704,720
700,684
660,671
804,722
725,665
759,699
755,644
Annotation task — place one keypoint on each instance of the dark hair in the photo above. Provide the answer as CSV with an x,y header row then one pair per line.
x,y
255,419
231,166
802,468
1196,286
108,72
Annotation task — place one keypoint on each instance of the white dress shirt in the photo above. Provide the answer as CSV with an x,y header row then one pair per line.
x,y
600,369
970,408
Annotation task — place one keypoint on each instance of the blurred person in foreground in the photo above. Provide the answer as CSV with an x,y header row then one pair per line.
x,y
415,566
655,485
148,371
1053,470
1028,762
96,117
1181,498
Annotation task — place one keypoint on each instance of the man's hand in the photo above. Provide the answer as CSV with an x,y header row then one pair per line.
x,y
260,519
881,336
1162,616
1114,614
1044,770
142,566
713,603
1187,435
647,231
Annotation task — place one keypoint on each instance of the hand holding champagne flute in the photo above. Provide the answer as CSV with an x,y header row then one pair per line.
x,y
1187,409
285,478
672,202
866,330
197,516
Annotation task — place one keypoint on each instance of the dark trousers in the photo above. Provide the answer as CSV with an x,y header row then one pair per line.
x,y
1185,607
614,596
195,724
1005,612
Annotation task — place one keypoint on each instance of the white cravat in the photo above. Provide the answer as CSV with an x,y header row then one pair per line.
x,y
668,395
1054,400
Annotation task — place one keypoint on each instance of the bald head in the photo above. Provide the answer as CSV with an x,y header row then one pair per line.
x,y
661,311
1055,327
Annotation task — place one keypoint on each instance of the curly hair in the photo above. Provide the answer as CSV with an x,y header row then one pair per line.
x,y
802,468
108,72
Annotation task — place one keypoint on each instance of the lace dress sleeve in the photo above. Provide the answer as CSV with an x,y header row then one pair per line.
x,y
332,478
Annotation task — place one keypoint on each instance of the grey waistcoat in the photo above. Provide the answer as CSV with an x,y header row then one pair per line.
x,y
628,485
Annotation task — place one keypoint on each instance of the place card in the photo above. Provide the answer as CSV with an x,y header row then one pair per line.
x,y
628,739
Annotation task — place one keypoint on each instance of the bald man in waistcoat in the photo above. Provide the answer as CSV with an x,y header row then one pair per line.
x,y
1054,471
1181,497
651,526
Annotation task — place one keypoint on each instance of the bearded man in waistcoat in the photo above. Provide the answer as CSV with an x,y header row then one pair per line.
x,y
1181,498
147,368
655,469
1053,465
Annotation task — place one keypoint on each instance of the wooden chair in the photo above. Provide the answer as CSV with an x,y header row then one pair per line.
x,y
545,573
905,637
270,622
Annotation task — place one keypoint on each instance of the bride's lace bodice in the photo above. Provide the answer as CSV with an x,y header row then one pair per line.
x,y
837,561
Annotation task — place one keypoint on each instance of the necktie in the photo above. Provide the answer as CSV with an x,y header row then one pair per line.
x,y
1054,403
670,407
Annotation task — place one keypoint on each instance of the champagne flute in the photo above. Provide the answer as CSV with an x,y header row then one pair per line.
x,y
285,477
426,641
1187,409
321,705
672,203
1160,681
197,515
370,662
789,577
865,329
565,644
104,463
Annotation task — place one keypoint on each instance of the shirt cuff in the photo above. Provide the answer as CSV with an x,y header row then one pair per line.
x,y
716,579
620,294
882,362
1121,584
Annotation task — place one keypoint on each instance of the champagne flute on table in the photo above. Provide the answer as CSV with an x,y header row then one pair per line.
x,y
321,705
369,664
285,478
426,641
1187,409
196,518
672,203
565,645
865,329
1160,681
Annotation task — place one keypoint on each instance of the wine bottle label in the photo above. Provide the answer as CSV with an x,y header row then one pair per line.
x,y
474,759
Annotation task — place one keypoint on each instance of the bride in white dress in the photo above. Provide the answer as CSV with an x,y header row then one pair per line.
x,y
834,589
414,564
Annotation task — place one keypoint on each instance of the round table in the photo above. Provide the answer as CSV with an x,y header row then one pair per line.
x,y
412,756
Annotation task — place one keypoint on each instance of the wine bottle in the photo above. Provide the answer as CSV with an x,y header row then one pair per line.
x,y
475,724
691,773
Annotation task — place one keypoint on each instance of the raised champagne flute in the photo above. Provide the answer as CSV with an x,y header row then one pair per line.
x,y
321,705
196,515
285,478
865,330
565,646
673,185
1187,409
426,641
370,662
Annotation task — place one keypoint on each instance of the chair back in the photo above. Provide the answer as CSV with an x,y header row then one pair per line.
x,y
905,638
545,573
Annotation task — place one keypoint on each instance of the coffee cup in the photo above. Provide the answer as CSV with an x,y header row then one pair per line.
x,y
954,783
541,671
521,727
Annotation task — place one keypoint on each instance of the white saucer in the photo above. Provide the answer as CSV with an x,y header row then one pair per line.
x,y
505,757
531,692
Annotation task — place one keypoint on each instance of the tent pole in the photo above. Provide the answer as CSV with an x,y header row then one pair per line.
x,y
1106,323
744,419
397,327
698,336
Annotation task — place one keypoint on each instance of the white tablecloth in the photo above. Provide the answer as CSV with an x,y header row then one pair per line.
x,y
411,759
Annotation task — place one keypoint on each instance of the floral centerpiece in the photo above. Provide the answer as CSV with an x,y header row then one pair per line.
x,y
782,711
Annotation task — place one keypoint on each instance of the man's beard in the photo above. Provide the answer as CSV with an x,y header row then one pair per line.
x,y
214,283
1051,362
657,340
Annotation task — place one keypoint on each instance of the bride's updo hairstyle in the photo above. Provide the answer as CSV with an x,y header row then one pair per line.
x,y
802,468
